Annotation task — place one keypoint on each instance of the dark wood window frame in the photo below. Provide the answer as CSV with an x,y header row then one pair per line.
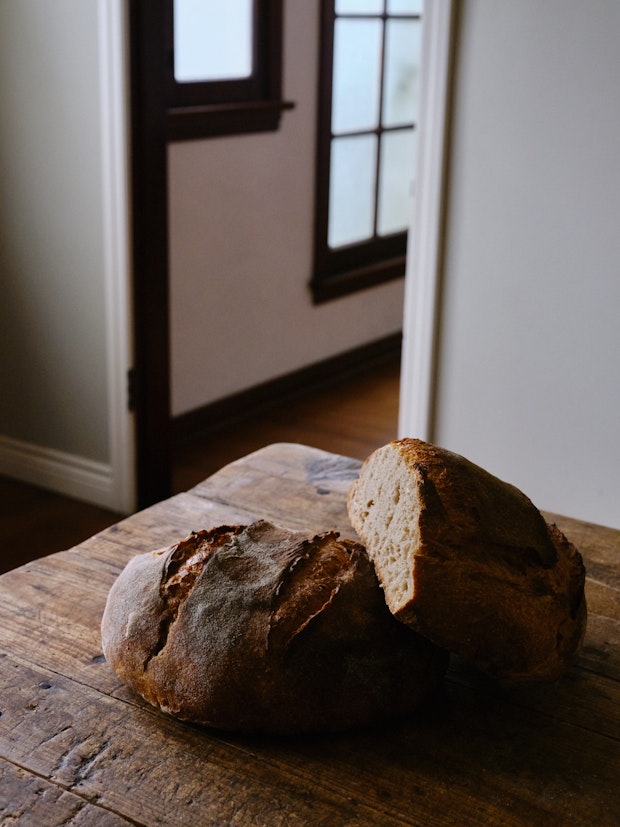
x,y
154,123
229,107
343,270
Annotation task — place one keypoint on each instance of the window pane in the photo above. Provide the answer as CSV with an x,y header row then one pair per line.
x,y
405,6
357,75
352,189
212,40
396,169
359,6
402,72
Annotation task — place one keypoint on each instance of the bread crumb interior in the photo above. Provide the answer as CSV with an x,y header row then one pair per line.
x,y
385,509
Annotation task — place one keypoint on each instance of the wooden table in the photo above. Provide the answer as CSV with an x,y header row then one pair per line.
x,y
78,748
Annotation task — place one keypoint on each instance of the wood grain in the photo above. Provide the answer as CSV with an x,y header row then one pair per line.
x,y
477,753
28,799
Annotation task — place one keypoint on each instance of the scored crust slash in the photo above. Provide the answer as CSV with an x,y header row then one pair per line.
x,y
263,629
260,628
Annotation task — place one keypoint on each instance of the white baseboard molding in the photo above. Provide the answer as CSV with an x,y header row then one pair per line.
x,y
68,474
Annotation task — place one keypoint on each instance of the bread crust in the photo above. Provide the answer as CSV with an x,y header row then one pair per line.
x,y
488,579
261,629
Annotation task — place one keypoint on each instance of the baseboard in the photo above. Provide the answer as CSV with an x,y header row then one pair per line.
x,y
277,392
73,476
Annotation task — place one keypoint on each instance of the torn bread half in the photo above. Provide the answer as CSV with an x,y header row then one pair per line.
x,y
468,561
263,629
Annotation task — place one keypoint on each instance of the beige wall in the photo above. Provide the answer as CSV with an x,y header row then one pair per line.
x,y
64,272
528,380
241,215
52,325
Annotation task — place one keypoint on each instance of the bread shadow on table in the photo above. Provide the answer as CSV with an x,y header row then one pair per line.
x,y
469,729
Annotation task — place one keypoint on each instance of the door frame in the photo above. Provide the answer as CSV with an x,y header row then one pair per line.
x,y
112,48
150,377
426,231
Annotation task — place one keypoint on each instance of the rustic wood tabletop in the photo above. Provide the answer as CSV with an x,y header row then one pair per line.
x,y
78,748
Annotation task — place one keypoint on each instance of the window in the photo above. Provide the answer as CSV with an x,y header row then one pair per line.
x,y
223,73
368,104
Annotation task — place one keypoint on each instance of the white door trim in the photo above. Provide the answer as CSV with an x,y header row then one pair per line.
x,y
113,41
425,233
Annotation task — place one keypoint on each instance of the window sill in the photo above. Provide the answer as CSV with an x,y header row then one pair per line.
x,y
327,287
191,122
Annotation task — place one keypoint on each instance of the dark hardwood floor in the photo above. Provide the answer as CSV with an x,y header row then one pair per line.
x,y
351,418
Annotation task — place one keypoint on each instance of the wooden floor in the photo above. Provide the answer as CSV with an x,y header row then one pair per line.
x,y
352,419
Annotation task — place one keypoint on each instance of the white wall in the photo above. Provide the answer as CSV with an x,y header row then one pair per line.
x,y
527,378
241,217
63,244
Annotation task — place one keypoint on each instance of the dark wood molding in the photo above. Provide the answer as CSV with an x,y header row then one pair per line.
x,y
357,278
211,121
150,256
205,109
246,404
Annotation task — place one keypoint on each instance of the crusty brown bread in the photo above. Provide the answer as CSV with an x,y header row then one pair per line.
x,y
469,562
262,629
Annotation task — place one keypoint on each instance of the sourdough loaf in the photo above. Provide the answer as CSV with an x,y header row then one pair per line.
x,y
468,561
261,629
